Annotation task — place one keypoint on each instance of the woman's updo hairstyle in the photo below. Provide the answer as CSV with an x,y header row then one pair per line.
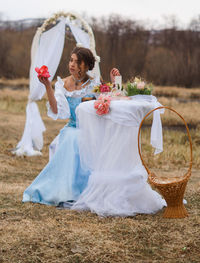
x,y
85,55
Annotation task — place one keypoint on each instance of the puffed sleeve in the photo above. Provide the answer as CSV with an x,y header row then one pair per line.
x,y
62,103
94,82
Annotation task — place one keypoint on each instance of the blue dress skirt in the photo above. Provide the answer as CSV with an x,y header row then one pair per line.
x,y
62,179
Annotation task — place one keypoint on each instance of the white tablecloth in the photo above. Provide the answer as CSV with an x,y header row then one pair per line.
x,y
108,148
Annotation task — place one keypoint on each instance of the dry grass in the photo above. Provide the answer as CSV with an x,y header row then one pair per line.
x,y
14,82
177,92
158,91
36,233
176,147
190,111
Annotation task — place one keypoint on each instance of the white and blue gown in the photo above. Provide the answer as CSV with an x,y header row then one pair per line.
x,y
63,178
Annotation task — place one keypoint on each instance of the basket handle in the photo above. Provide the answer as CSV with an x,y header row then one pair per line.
x,y
188,133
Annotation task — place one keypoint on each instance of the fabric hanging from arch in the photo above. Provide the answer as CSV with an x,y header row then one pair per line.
x,y
83,38
47,50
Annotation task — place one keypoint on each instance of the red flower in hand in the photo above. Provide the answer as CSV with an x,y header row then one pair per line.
x,y
43,72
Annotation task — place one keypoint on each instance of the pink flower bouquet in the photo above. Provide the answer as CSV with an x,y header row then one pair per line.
x,y
43,72
104,88
102,105
138,86
107,87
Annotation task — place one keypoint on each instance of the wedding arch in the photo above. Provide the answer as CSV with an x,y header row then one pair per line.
x,y
47,47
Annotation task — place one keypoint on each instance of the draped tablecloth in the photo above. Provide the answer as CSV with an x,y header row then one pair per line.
x,y
108,148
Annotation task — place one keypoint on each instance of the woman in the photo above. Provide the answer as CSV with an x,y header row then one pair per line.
x,y
63,179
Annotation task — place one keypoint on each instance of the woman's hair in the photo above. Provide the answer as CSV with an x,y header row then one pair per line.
x,y
85,55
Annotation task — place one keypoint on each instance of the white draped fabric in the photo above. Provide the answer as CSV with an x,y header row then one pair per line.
x,y
108,147
83,38
48,53
32,138
127,114
80,36
46,50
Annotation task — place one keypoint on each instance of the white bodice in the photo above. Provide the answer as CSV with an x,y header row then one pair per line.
x,y
61,94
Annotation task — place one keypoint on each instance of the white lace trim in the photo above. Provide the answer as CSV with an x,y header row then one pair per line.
x,y
75,93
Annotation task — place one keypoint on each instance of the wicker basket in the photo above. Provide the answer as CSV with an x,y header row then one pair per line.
x,y
172,189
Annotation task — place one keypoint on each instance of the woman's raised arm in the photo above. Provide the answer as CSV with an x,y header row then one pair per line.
x,y
50,94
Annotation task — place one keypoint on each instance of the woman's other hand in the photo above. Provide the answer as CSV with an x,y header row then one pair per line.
x,y
44,81
114,72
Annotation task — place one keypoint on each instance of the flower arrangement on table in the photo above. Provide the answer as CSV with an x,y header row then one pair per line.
x,y
107,92
110,92
102,104
138,86
109,88
106,87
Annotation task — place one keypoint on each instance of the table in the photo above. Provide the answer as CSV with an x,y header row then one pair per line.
x,y
108,148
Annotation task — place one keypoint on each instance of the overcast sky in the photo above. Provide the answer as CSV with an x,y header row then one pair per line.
x,y
153,11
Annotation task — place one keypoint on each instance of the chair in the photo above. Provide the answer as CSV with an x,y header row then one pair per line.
x,y
172,189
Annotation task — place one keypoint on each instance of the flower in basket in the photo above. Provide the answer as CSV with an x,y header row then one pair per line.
x,y
138,86
43,72
102,105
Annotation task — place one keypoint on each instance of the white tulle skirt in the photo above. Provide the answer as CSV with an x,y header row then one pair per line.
x,y
108,195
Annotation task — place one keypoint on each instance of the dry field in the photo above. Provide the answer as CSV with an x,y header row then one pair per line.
x,y
32,233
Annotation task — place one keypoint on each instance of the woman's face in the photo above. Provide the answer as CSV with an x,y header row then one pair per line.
x,y
75,68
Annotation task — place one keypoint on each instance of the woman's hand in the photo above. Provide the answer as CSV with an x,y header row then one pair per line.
x,y
44,81
114,72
